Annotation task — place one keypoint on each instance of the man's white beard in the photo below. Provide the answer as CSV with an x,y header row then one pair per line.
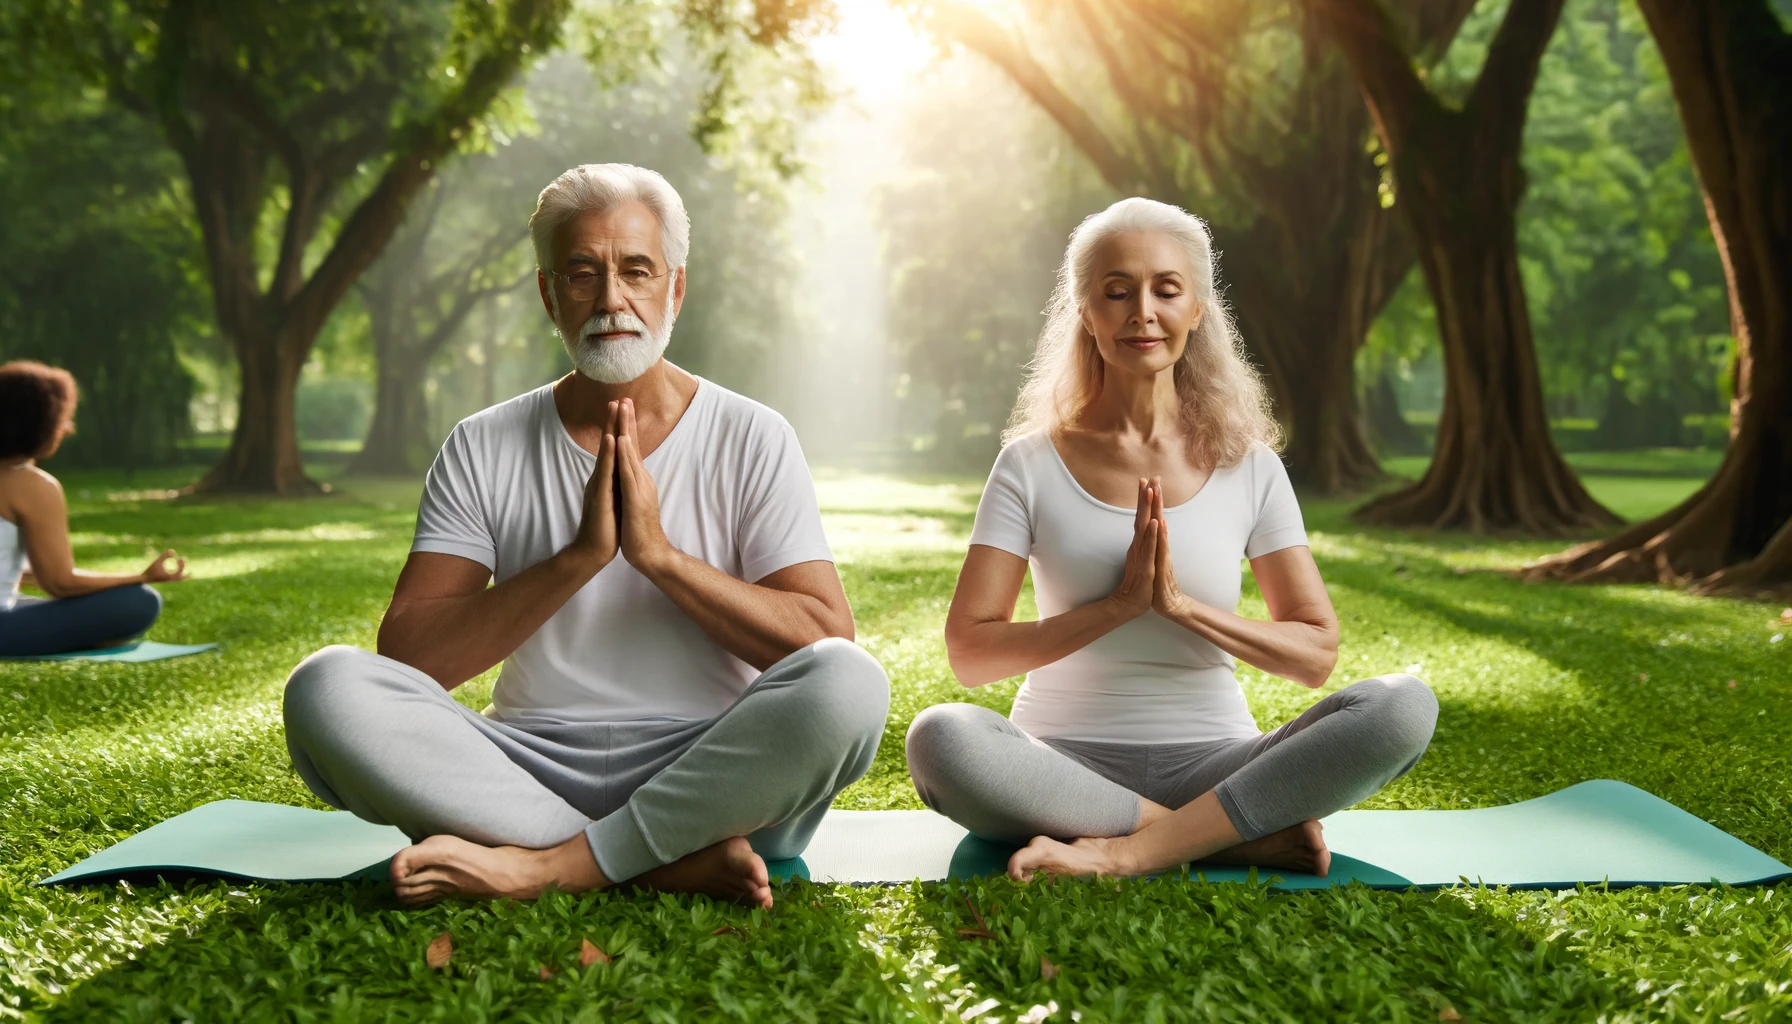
x,y
623,359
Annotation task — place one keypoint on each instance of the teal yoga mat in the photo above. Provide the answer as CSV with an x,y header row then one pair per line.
x,y
141,650
244,839
1600,831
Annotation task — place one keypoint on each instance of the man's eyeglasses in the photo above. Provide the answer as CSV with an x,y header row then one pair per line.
x,y
582,283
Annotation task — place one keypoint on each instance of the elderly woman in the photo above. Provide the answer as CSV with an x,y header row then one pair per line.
x,y
86,610
1137,476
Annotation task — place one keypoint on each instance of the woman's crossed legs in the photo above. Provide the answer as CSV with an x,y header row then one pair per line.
x,y
1135,808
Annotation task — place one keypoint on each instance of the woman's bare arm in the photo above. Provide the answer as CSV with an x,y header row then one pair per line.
x,y
1300,642
985,644
42,519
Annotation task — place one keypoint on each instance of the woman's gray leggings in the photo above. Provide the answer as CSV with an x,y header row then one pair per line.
x,y
979,769
104,618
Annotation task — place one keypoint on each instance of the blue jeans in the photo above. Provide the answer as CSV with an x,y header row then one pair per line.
x,y
104,618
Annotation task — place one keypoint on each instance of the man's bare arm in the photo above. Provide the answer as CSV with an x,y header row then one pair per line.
x,y
760,623
445,622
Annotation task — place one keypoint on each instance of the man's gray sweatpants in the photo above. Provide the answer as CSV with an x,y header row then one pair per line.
x,y
979,769
377,737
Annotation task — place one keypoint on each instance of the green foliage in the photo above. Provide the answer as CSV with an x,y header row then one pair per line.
x,y
98,271
1623,280
1540,687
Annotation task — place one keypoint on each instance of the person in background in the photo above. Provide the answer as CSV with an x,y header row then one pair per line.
x,y
85,610
1138,475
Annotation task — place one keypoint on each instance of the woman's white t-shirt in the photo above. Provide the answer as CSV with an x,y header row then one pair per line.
x,y
1150,680
507,492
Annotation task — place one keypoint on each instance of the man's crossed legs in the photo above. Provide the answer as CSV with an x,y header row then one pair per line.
x,y
496,807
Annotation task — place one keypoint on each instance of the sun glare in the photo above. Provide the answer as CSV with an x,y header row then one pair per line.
x,y
873,51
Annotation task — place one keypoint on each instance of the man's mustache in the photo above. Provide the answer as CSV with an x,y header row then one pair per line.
x,y
612,323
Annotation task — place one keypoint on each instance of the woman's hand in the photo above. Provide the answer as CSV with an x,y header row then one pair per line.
x,y
159,570
1136,591
1167,599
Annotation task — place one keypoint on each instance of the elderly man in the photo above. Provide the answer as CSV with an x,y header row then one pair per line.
x,y
665,718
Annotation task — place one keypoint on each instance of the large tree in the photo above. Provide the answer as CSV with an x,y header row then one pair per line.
x,y
305,128
1269,149
417,297
1730,64
1459,180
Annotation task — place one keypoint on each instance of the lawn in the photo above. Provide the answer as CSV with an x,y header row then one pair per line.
x,y
1540,687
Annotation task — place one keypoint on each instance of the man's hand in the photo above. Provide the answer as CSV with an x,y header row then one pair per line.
x,y
643,540
596,540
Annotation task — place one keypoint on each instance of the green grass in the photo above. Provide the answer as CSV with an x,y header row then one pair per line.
x,y
1540,687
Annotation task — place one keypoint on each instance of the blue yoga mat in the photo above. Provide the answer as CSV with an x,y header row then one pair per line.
x,y
1599,831
137,651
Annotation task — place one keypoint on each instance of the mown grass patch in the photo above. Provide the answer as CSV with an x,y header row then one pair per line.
x,y
1541,687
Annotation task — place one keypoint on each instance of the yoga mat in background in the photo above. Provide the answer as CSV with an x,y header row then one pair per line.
x,y
138,651
1594,832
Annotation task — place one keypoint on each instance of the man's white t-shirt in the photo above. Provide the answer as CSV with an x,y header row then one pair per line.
x,y
507,490
1150,680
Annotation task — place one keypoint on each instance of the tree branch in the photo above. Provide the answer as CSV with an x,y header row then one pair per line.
x,y
1384,72
979,33
1501,96
531,25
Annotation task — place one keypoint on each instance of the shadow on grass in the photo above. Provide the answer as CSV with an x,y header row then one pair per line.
x,y
1153,950
350,952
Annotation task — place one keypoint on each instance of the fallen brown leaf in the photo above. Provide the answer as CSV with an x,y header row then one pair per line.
x,y
546,973
982,924
726,929
975,933
1047,969
589,954
439,951
1448,1013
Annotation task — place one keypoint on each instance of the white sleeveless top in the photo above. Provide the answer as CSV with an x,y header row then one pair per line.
x,y
12,563
1150,680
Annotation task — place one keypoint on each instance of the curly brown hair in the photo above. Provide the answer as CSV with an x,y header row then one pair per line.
x,y
36,403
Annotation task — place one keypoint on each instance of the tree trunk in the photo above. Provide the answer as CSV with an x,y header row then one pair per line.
x,y
264,449
398,433
1391,433
1728,63
1307,279
1459,183
1495,467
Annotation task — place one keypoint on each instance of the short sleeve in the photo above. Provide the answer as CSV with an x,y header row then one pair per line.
x,y
780,522
451,519
1278,522
1004,521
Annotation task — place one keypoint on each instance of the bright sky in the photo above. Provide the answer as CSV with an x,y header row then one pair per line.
x,y
875,52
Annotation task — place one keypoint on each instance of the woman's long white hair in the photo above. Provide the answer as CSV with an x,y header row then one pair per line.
x,y
1225,409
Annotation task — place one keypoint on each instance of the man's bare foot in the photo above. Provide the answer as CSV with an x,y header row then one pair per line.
x,y
729,870
1298,848
447,866
1080,858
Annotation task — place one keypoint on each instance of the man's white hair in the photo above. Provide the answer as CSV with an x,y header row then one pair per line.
x,y
597,188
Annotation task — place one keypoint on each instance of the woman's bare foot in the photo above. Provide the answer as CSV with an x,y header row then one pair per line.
x,y
729,870
447,866
1298,848
1080,858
